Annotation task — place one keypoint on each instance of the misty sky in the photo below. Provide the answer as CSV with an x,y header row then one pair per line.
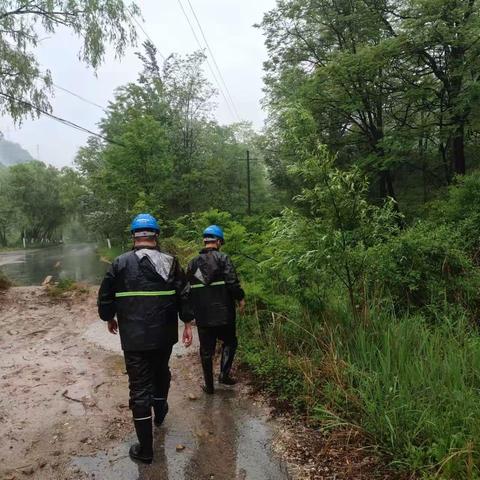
x,y
228,26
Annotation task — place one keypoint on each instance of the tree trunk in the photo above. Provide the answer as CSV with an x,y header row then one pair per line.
x,y
457,105
447,168
389,184
3,237
458,150
386,185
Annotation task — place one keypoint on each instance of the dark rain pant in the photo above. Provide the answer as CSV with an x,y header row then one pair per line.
x,y
208,338
148,378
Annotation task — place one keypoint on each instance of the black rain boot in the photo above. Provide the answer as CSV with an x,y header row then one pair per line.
x,y
228,354
207,366
143,451
160,407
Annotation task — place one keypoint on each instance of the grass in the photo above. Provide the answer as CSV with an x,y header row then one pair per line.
x,y
417,388
413,389
5,283
10,249
65,286
108,255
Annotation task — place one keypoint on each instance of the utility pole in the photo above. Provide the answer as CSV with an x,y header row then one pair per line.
x,y
249,207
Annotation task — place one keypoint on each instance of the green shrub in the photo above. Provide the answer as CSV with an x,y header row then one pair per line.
x,y
64,286
184,250
190,227
422,268
461,210
290,379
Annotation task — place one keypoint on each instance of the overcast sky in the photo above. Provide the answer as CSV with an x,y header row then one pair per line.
x,y
228,26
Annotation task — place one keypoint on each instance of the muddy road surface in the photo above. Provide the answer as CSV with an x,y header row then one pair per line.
x,y
64,405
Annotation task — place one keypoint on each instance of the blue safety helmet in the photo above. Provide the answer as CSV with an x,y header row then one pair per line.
x,y
144,221
214,232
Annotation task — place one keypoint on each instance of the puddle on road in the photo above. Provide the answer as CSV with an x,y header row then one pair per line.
x,y
224,439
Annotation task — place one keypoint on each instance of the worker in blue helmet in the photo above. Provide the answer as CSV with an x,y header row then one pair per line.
x,y
146,290
215,291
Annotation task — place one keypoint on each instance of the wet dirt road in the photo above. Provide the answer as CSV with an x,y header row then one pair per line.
x,y
64,405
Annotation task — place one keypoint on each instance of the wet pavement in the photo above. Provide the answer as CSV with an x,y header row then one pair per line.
x,y
224,437
224,445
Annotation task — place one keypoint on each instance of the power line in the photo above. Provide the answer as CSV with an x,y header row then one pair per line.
x,y
213,59
86,100
208,63
68,123
66,90
198,42
140,26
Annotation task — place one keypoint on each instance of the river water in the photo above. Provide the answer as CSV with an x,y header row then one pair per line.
x,y
78,262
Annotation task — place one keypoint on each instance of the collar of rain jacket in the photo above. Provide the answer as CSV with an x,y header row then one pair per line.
x,y
209,249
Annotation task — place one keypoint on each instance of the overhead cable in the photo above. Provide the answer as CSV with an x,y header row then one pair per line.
x,y
64,89
213,60
68,123
208,63
86,100
140,26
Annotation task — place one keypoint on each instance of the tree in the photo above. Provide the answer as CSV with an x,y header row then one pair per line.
x,y
327,72
34,191
333,225
390,86
9,215
189,95
22,22
168,156
443,35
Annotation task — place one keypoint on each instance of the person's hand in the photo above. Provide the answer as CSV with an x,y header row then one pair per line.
x,y
187,337
112,326
241,306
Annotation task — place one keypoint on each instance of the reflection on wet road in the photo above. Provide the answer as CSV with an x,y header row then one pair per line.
x,y
226,436
223,441
78,262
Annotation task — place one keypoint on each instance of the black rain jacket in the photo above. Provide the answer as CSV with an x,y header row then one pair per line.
x,y
214,288
132,289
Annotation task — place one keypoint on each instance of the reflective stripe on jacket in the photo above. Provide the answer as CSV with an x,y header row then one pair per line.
x,y
147,297
215,288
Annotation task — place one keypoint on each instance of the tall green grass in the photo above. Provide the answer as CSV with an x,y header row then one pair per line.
x,y
414,389
417,389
